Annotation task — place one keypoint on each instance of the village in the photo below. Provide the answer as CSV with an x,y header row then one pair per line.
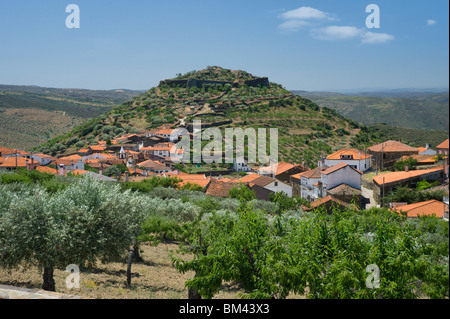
x,y
348,177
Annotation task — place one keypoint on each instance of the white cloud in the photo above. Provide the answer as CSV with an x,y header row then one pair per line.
x,y
312,19
431,22
372,37
305,13
337,32
302,17
293,25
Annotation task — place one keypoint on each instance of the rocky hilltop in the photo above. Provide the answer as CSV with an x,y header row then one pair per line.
x,y
222,98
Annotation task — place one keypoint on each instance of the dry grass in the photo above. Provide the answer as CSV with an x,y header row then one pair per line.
x,y
154,278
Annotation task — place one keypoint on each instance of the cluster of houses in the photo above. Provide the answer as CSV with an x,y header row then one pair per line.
x,y
336,181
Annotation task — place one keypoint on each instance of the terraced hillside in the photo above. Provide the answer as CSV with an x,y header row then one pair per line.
x,y
426,112
222,98
31,115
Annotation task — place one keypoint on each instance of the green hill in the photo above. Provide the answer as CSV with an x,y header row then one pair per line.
x,y
31,115
429,111
225,98
222,98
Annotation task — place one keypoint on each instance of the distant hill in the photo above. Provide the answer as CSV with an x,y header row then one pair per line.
x,y
31,115
424,111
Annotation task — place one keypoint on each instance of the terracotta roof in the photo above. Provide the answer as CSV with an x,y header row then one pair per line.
x,y
263,181
97,148
197,179
219,189
7,151
154,165
74,158
338,167
312,173
421,159
344,189
427,208
444,144
165,131
46,169
393,177
10,162
249,178
84,150
357,155
280,168
392,146
283,167
23,153
325,200
136,170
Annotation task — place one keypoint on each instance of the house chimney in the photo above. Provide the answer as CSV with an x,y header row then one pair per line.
x,y
61,169
427,146
406,168
28,165
100,173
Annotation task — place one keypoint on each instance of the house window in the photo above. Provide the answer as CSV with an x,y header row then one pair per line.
x,y
276,184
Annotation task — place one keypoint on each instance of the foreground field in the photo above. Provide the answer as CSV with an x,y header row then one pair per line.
x,y
154,278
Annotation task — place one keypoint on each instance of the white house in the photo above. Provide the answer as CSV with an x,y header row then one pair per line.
x,y
353,157
269,183
172,135
336,175
307,181
241,166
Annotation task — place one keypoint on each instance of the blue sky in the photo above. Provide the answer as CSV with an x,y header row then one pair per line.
x,y
304,45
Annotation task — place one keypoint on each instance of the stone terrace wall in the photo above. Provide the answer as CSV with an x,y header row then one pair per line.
x,y
199,83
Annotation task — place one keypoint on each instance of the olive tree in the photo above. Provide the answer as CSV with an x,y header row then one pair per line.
x,y
86,222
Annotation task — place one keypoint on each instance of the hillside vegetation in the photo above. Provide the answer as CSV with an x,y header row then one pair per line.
x,y
32,115
305,130
225,98
429,111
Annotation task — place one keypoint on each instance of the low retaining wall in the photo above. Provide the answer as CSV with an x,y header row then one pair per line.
x,y
9,292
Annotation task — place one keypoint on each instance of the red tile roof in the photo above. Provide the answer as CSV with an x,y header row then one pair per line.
x,y
10,162
392,146
249,178
444,144
7,151
220,189
393,177
338,167
48,170
421,159
312,173
357,155
428,208
325,200
262,181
